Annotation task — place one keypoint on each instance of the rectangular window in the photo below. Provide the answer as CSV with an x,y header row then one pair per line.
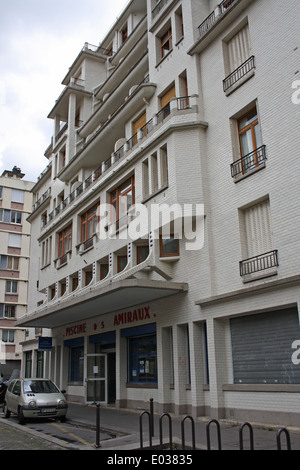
x,y
257,233
239,48
138,124
28,364
40,364
10,311
249,135
15,217
65,241
11,287
143,359
89,222
169,246
122,200
14,240
76,364
166,43
12,263
8,336
17,196
142,253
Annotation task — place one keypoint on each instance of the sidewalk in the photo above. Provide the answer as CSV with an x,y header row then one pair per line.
x,y
125,426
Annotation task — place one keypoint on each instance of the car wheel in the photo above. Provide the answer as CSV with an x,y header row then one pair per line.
x,y
62,419
6,411
21,416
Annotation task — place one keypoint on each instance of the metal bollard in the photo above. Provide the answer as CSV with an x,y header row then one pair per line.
x,y
97,426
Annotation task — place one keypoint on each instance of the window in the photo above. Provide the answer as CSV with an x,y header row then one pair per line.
x,y
249,134
122,200
9,263
10,311
76,364
15,217
89,222
166,43
257,239
252,153
8,336
46,251
239,48
142,359
122,263
124,34
12,263
138,124
14,240
104,269
155,172
142,253
239,64
179,25
39,364
10,217
65,241
17,196
28,363
11,287
1,192
169,246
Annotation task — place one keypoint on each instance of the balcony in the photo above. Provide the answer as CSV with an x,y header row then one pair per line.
x,y
181,104
208,23
219,19
250,163
239,76
265,264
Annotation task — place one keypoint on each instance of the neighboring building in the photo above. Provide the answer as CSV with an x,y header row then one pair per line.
x,y
183,102
15,206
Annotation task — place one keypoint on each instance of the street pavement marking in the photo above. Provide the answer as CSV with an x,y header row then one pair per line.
x,y
61,428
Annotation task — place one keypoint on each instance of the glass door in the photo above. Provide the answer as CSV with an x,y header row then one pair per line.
x,y
96,378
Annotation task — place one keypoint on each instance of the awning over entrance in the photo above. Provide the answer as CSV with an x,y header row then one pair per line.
x,y
111,298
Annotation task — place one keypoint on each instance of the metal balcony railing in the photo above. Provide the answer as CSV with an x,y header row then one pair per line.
x,y
239,73
249,162
222,8
259,263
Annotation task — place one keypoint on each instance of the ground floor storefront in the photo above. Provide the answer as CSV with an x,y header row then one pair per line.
x,y
237,358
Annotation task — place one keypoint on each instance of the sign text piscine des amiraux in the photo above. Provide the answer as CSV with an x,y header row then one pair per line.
x,y
132,316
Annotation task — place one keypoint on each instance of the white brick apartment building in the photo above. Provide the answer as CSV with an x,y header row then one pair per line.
x,y
15,207
184,102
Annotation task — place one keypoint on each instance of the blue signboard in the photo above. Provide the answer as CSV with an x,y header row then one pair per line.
x,y
45,344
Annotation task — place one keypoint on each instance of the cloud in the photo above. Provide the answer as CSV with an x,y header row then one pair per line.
x,y
39,41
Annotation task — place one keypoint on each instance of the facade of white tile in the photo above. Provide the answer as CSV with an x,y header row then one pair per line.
x,y
15,207
184,104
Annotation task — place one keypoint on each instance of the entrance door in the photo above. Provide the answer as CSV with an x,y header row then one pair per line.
x,y
96,378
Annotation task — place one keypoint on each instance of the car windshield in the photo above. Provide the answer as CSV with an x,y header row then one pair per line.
x,y
40,386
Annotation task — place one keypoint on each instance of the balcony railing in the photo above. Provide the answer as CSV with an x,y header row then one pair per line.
x,y
239,73
222,8
158,7
259,263
182,103
249,162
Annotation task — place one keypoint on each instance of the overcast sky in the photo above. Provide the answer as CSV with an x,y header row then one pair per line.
x,y
39,40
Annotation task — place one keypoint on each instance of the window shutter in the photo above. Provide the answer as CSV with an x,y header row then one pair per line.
x,y
259,229
239,48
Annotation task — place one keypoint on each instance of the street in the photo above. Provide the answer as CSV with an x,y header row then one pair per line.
x,y
47,434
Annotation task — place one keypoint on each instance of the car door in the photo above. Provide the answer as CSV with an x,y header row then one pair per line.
x,y
14,397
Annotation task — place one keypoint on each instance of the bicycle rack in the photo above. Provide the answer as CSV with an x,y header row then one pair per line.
x,y
242,438
183,432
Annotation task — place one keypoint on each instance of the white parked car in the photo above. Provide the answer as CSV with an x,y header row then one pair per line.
x,y
35,398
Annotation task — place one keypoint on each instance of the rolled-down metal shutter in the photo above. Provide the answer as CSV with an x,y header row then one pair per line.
x,y
262,348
